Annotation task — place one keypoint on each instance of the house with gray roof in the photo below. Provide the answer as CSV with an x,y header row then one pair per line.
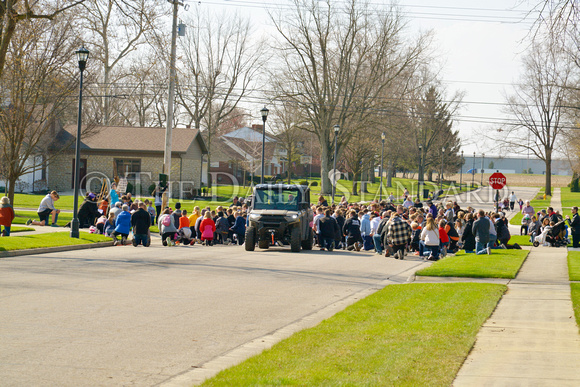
x,y
127,152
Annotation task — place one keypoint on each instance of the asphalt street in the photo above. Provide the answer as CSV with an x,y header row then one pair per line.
x,y
141,316
147,316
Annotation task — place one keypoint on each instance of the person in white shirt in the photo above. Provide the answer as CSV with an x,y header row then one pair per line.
x,y
513,200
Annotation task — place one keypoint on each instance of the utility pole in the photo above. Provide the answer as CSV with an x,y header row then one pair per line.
x,y
172,79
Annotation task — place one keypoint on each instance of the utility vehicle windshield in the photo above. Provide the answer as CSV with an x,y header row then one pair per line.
x,y
277,199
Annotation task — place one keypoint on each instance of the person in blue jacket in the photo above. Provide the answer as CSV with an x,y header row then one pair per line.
x,y
239,228
122,226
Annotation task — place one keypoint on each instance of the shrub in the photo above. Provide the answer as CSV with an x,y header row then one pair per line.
x,y
574,185
303,182
314,184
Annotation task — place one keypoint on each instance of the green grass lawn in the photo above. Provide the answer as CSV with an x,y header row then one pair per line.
x,y
49,240
538,203
574,265
415,335
569,200
23,216
522,240
500,264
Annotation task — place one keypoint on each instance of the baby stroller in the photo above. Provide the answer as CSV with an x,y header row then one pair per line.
x,y
555,236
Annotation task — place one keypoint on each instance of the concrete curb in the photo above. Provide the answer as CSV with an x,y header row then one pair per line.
x,y
56,249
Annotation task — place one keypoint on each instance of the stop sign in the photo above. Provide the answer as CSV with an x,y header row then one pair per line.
x,y
497,180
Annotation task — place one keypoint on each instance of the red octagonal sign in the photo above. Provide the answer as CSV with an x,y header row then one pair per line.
x,y
497,180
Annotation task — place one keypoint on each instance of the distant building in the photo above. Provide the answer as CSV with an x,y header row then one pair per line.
x,y
515,165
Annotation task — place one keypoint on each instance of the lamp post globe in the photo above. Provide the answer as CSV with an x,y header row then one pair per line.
x,y
82,57
335,179
264,113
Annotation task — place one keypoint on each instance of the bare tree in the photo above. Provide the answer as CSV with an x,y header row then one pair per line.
x,y
338,59
116,30
288,133
220,63
15,12
38,85
538,105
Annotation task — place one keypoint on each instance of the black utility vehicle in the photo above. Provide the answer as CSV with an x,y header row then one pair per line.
x,y
280,214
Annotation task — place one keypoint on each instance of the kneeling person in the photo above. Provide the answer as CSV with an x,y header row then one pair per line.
x,y
140,222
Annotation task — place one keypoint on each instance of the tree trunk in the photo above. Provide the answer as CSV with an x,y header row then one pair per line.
x,y
430,175
10,189
364,179
354,185
548,188
325,167
373,177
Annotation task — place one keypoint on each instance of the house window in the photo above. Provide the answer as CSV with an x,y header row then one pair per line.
x,y
126,167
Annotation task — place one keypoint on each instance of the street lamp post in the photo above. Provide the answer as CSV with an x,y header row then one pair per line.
x,y
334,174
82,56
420,170
264,113
461,171
441,176
482,158
382,158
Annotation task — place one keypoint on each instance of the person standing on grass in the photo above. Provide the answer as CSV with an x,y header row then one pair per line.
x,y
575,227
7,215
46,209
113,195
480,230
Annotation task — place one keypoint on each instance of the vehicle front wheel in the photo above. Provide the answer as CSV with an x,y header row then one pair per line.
x,y
250,239
295,240
309,241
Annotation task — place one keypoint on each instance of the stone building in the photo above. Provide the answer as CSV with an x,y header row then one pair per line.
x,y
128,152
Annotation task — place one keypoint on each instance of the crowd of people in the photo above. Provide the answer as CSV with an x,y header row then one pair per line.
x,y
424,229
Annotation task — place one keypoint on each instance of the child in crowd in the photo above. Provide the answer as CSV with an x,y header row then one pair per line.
x,y
443,238
110,225
101,222
415,237
104,206
150,210
207,228
6,215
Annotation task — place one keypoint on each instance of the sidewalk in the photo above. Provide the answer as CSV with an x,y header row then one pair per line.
x,y
532,337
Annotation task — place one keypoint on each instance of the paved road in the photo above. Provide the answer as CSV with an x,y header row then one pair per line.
x,y
137,316
140,316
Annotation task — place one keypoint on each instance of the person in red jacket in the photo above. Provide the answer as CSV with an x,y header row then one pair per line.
x,y
6,215
207,228
443,238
